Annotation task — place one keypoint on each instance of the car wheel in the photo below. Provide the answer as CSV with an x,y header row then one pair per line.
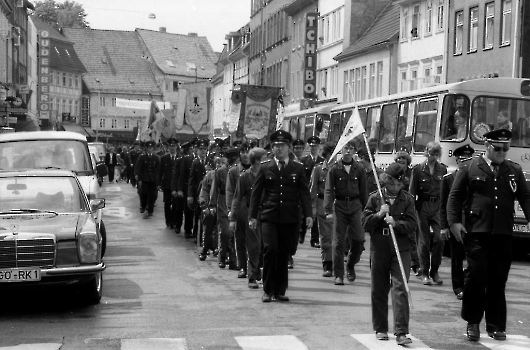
x,y
93,289
103,232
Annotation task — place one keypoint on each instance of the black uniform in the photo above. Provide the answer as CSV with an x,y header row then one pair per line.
x,y
183,181
147,170
309,164
489,202
165,175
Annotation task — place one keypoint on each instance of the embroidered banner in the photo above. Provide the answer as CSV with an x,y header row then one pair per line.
x,y
257,117
197,106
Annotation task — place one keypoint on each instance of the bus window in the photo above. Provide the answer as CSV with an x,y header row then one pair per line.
x,y
309,127
388,128
491,113
372,123
425,124
322,125
405,125
334,130
455,118
301,129
293,126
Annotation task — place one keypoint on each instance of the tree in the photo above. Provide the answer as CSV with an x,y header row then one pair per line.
x,y
68,14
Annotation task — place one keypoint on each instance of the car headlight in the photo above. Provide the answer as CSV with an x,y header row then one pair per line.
x,y
88,247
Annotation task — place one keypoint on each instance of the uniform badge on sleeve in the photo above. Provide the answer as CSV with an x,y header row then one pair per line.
x,y
513,184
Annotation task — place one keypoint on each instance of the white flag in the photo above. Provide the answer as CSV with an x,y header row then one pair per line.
x,y
353,128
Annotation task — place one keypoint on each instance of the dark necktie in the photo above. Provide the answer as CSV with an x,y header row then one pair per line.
x,y
282,165
495,168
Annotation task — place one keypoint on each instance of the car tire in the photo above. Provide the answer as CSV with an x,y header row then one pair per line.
x,y
103,232
93,289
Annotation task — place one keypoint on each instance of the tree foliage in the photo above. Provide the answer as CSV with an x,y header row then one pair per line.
x,y
67,14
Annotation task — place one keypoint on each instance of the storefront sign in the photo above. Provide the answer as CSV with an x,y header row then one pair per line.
x,y
310,55
44,76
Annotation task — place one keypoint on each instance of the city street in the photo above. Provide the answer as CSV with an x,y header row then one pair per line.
x,y
158,295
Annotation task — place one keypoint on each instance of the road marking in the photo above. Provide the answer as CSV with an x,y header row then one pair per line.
x,y
41,346
273,342
372,343
116,211
154,344
112,189
512,342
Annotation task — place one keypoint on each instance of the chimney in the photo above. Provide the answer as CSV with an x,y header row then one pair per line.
x,y
162,29
192,34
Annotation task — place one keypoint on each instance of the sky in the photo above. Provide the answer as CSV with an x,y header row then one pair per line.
x,y
211,18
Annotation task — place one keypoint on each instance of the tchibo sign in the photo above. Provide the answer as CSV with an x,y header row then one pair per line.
x,y
310,54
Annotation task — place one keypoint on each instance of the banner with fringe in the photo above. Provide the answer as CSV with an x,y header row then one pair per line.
x,y
257,117
197,105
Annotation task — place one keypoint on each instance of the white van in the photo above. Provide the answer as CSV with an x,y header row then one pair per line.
x,y
53,149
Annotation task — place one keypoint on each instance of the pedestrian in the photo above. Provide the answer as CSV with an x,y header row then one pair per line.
x,y
463,155
486,190
135,153
280,189
165,175
394,211
209,213
425,187
146,172
239,234
344,199
310,161
111,161
239,212
325,228
179,187
197,172
227,248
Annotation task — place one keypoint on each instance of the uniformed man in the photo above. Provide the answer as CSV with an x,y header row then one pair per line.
x,y
463,155
310,161
240,203
197,172
133,158
165,176
344,199
146,172
425,187
317,189
280,189
209,213
486,190
180,204
242,219
182,186
218,202
298,149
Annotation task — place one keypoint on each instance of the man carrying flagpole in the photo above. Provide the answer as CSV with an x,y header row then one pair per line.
x,y
344,199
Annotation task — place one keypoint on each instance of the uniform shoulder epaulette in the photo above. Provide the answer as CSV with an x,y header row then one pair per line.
x,y
443,164
448,174
297,161
415,166
319,163
266,161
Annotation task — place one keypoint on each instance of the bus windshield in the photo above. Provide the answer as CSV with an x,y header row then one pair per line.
x,y
491,113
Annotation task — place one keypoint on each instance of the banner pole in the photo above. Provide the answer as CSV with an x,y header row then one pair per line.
x,y
396,248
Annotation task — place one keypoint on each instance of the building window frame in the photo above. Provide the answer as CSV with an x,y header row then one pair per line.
x,y
440,16
489,25
428,18
459,32
473,30
506,22
416,17
101,122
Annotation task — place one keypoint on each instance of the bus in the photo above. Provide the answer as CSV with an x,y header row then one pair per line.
x,y
410,120
308,122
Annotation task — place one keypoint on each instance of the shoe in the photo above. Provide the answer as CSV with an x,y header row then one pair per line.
x,y
149,214
301,240
436,279
215,252
252,284
242,274
460,296
221,263
234,267
282,298
177,231
473,331
266,298
497,335
426,280
327,273
350,276
402,339
339,281
188,235
142,210
315,245
381,335
202,256
290,263
418,273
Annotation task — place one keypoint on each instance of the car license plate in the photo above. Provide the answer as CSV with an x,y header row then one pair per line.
x,y
520,228
19,275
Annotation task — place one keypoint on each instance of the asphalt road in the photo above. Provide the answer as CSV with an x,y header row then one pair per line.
x,y
158,295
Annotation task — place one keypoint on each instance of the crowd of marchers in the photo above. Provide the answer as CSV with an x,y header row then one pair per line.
x,y
251,207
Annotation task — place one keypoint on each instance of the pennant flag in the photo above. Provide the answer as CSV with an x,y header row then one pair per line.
x,y
353,128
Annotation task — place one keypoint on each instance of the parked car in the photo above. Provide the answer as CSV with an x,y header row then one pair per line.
x,y
49,234
53,149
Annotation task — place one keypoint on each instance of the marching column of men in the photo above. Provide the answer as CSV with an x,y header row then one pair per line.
x,y
257,204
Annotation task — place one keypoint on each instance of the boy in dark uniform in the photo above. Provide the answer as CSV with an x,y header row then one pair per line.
x,y
146,171
197,172
165,175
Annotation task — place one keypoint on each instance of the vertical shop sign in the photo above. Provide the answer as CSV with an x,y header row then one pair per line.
x,y
310,54
44,76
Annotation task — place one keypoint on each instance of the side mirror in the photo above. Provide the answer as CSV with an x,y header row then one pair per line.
x,y
98,203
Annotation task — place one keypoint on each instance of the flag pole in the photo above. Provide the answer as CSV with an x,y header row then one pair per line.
x,y
405,282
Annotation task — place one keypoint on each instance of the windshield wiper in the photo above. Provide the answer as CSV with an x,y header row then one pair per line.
x,y
28,210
